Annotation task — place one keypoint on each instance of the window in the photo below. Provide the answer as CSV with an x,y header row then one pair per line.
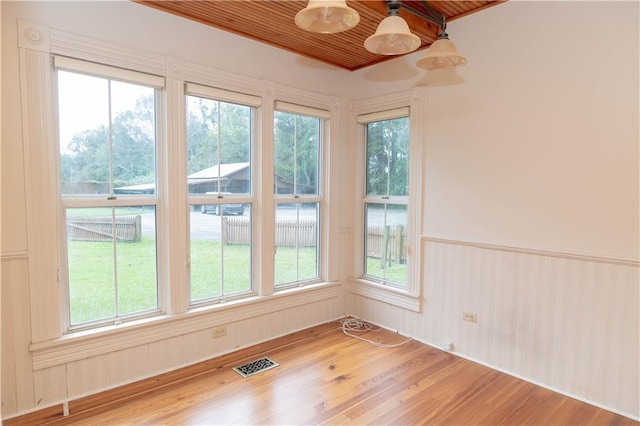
x,y
107,145
220,131
385,200
297,155
150,198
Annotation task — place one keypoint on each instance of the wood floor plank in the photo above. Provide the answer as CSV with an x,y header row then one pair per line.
x,y
326,377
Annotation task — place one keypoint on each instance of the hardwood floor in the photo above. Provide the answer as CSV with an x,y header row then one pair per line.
x,y
326,377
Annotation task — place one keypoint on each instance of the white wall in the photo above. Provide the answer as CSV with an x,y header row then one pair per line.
x,y
530,209
539,146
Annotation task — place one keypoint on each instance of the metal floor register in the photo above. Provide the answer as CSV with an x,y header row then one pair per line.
x,y
255,367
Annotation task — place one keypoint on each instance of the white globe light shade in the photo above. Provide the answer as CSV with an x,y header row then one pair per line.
x,y
442,55
392,37
327,16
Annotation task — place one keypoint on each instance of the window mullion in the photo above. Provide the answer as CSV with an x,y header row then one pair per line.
x,y
295,155
110,134
114,243
218,140
298,242
174,271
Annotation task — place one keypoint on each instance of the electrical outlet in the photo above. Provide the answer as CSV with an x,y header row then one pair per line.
x,y
219,332
468,316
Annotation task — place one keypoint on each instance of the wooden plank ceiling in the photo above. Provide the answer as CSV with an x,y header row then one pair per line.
x,y
272,22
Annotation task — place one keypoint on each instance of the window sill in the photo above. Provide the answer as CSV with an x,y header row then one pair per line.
x,y
90,343
382,293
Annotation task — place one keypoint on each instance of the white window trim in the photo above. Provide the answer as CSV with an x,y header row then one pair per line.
x,y
223,95
255,103
36,44
327,107
77,346
389,114
374,109
107,71
324,108
301,110
78,201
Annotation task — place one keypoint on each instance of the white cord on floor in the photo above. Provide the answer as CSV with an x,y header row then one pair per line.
x,y
349,325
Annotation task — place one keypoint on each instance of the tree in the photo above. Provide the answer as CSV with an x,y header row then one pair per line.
x,y
121,154
217,133
217,129
134,147
388,157
296,149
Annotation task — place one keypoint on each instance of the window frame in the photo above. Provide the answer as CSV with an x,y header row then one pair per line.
x,y
111,200
50,344
382,199
298,199
255,103
411,104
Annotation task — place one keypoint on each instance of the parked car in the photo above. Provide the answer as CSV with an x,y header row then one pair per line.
x,y
227,209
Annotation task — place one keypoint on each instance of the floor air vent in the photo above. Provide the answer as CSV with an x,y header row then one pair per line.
x,y
255,367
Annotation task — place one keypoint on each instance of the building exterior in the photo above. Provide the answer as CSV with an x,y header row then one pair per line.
x,y
229,177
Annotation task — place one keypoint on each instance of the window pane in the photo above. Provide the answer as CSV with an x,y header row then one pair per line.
x,y
84,133
296,152
385,237
219,146
388,157
296,256
134,136
107,135
220,251
112,262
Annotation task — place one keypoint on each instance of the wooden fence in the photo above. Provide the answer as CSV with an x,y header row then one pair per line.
x,y
288,232
383,242
102,228
387,242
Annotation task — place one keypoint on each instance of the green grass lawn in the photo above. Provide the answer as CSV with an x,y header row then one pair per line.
x,y
91,274
210,278
396,272
91,279
287,270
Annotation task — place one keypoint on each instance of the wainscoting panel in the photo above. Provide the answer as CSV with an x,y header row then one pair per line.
x,y
166,354
82,377
17,374
564,321
50,385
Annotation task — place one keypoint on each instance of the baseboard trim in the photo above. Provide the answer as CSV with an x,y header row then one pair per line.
x,y
534,382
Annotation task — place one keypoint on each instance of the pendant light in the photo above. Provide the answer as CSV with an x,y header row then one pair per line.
x,y
442,54
393,36
327,16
